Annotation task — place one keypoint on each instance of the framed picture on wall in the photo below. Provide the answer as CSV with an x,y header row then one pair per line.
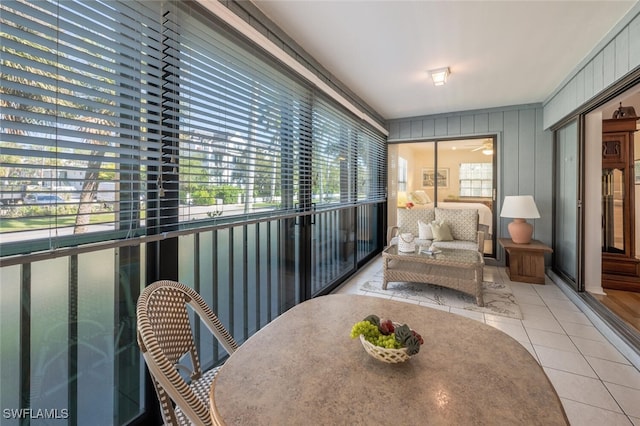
x,y
429,177
637,171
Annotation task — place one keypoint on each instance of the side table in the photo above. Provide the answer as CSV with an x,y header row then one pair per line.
x,y
525,262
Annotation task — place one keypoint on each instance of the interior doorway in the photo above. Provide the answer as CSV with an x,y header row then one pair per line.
x,y
615,207
453,173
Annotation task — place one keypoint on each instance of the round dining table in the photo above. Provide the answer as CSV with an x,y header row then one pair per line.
x,y
303,368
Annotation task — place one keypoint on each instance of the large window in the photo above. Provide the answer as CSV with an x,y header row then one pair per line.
x,y
402,174
122,120
79,113
144,140
476,179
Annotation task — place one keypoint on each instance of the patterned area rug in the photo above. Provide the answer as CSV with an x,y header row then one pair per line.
x,y
498,298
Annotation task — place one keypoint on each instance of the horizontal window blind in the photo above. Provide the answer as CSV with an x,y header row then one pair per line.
x,y
79,113
239,125
122,119
334,140
371,163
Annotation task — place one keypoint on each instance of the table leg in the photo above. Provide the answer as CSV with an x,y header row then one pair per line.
x,y
385,266
479,281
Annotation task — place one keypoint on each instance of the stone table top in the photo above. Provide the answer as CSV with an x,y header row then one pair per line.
x,y
304,369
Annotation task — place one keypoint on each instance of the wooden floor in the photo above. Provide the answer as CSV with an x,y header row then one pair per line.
x,y
625,304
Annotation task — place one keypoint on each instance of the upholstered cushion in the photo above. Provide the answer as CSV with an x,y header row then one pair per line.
x,y
408,219
424,231
463,223
441,231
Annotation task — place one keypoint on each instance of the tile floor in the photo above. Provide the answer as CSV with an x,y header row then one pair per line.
x,y
597,385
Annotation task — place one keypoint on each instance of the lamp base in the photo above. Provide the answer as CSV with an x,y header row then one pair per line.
x,y
520,231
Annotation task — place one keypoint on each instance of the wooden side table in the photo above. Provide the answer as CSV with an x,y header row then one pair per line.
x,y
525,262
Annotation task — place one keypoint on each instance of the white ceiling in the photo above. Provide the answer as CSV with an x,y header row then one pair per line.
x,y
500,53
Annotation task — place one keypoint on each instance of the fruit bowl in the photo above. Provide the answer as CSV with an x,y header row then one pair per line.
x,y
385,340
391,356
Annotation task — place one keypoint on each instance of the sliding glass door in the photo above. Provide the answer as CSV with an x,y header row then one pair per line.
x,y
565,244
456,174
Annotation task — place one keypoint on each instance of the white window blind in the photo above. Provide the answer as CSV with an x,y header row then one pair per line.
x,y
79,114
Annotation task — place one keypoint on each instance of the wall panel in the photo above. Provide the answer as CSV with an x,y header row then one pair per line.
x,y
615,57
524,152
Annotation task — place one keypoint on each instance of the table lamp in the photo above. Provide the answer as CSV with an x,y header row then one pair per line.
x,y
520,208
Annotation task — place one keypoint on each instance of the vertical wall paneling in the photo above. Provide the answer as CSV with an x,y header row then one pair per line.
x,y
622,53
441,126
619,56
524,154
510,153
579,87
481,123
634,42
467,125
428,128
609,65
496,122
588,81
544,179
416,129
453,126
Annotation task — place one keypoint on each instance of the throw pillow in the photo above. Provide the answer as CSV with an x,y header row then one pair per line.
x,y
420,197
441,231
424,231
463,223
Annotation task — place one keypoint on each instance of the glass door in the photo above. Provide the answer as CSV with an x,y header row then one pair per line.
x,y
455,174
566,246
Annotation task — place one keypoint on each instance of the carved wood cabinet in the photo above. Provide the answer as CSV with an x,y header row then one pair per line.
x,y
620,266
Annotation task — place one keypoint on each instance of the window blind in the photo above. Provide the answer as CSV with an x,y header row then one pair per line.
x,y
79,114
240,125
122,119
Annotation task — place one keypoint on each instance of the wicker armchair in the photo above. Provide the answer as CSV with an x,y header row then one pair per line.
x,y
165,339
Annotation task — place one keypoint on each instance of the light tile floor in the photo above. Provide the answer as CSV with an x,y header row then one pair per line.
x,y
597,385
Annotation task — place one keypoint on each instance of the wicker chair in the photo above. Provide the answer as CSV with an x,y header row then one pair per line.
x,y
165,338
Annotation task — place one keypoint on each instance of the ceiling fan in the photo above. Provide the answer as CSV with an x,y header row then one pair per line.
x,y
486,147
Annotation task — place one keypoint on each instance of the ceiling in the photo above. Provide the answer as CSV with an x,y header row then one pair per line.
x,y
500,53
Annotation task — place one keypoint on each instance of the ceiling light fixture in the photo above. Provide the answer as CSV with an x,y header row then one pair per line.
x,y
439,76
487,151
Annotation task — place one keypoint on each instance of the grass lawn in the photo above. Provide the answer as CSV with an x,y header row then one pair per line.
x,y
26,223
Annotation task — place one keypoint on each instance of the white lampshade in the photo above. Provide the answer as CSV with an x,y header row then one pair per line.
x,y
519,206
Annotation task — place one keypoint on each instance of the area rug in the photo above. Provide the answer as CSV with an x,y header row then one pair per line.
x,y
498,298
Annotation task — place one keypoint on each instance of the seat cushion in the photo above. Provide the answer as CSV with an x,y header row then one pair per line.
x,y
200,388
408,219
463,223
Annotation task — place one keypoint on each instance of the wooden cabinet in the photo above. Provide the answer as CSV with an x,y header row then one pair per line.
x,y
620,266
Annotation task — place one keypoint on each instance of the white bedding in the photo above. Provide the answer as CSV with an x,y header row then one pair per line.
x,y
484,212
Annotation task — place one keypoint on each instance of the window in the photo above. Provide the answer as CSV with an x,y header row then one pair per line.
x,y
402,174
476,179
144,118
79,114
